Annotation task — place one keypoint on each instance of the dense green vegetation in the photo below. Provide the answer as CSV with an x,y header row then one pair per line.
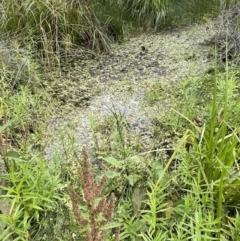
x,y
188,191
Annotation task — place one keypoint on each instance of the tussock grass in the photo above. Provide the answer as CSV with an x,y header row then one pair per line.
x,y
54,27
46,24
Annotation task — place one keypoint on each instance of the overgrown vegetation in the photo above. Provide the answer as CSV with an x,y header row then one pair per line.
x,y
185,188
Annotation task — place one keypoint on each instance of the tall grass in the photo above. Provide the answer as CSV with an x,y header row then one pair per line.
x,y
50,25
183,12
53,27
146,12
56,28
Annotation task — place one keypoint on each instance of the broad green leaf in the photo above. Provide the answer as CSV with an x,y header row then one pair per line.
x,y
5,218
3,127
76,228
157,169
113,161
112,174
111,225
13,154
16,159
136,159
137,198
138,225
132,179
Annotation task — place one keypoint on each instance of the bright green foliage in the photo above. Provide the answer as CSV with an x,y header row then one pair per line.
x,y
200,199
31,190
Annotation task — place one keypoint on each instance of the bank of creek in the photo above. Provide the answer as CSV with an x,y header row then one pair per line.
x,y
117,85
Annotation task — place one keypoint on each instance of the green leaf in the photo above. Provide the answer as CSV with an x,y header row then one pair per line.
x,y
136,159
138,225
3,127
7,195
26,219
132,179
5,218
114,162
6,234
13,154
33,206
157,169
76,228
111,225
137,198
17,212
20,185
112,174
124,235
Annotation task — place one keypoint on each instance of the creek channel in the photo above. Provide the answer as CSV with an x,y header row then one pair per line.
x,y
118,82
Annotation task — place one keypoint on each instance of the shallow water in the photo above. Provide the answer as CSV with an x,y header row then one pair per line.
x,y
122,78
